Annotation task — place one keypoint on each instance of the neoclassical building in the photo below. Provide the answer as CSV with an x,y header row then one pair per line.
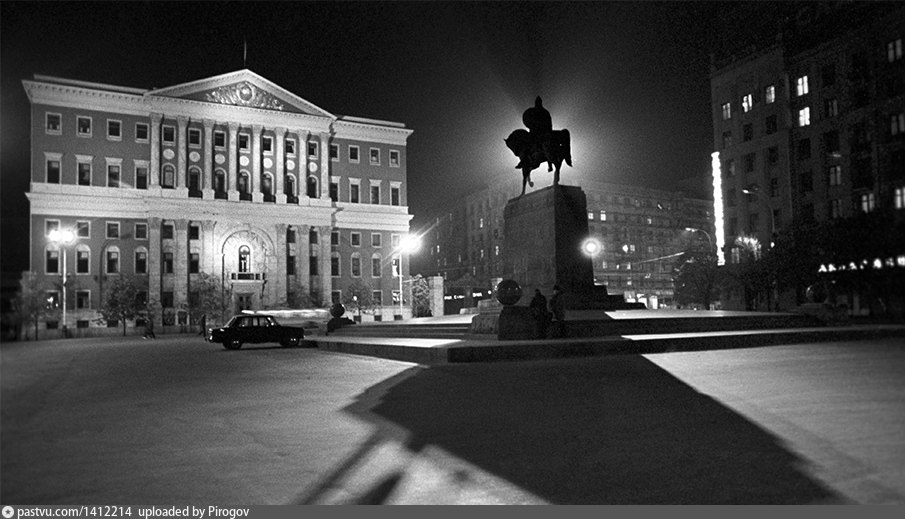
x,y
231,176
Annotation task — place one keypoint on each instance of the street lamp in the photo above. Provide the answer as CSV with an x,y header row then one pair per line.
x,y
62,238
707,234
754,190
407,245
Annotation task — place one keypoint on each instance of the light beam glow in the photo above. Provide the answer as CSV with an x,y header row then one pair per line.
x,y
718,207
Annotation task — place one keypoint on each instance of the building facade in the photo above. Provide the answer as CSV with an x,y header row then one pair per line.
x,y
811,126
231,177
641,233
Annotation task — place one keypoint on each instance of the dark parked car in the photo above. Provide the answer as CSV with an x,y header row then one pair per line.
x,y
255,329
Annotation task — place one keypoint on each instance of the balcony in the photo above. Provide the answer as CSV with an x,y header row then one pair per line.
x,y
247,276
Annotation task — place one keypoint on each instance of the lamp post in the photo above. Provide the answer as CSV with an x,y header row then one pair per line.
x,y
62,238
754,190
707,234
407,245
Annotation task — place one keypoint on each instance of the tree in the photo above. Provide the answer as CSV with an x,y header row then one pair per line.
x,y
695,277
207,297
122,302
420,296
31,301
357,297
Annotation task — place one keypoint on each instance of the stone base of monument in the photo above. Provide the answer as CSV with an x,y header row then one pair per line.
x,y
517,322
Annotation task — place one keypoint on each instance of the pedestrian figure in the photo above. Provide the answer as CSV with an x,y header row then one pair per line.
x,y
538,308
203,331
558,310
149,328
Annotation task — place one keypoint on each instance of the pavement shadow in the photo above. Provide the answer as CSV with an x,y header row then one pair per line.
x,y
615,430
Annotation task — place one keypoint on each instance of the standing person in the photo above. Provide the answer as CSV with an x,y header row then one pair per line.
x,y
203,331
538,308
149,328
559,314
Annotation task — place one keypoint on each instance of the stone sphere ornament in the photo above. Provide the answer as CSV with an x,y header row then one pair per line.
x,y
337,310
508,292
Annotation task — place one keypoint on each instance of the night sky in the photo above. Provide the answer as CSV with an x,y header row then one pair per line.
x,y
630,80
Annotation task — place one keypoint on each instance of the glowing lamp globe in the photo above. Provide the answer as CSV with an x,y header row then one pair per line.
x,y
508,292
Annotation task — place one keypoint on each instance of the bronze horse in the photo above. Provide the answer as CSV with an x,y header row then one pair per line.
x,y
533,152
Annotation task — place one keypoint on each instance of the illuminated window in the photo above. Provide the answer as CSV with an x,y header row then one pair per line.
x,y
394,158
801,85
83,126
894,50
830,107
897,124
244,258
602,216
112,260
770,94
804,116
868,202
53,123
747,103
899,198
836,208
726,109
835,175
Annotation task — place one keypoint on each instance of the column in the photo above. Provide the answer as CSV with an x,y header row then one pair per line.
x,y
303,259
303,163
207,188
154,266
282,276
232,181
323,242
256,194
181,264
280,152
325,165
208,263
154,181
181,155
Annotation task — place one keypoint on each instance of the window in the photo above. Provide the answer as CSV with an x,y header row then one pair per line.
x,y
377,297
194,231
53,123
166,231
83,229
356,265
290,146
168,176
375,193
52,260
83,299
770,125
894,50
83,168
394,241
112,260
729,167
312,149
141,231
243,141
394,158
727,139
168,263
334,189
166,299
804,116
803,150
828,75
243,185
334,238
219,139
747,132
770,94
267,144
806,182
394,195
899,198
897,124
83,126
334,152
169,135
801,85
375,156
774,187
312,265
334,265
376,239
290,265
726,110
52,167
114,130
375,266
141,132
194,137
731,198
194,263
353,154
312,237
749,163
113,174
868,202
356,239
353,193
830,107
112,230
747,103
602,216
141,176
141,261
835,208
590,215
772,155
831,142
834,174
50,226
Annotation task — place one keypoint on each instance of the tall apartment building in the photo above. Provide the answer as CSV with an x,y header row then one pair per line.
x,y
811,126
231,176
641,233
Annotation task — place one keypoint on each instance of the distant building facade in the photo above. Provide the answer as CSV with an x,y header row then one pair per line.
x,y
641,234
811,126
230,176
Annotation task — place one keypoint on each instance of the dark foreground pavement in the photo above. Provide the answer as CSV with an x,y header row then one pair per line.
x,y
181,421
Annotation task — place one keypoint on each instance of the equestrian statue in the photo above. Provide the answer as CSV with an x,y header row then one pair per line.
x,y
539,143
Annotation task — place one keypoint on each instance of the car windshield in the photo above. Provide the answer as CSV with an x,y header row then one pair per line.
x,y
232,321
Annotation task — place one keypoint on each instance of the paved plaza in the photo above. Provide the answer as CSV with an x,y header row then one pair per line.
x,y
182,421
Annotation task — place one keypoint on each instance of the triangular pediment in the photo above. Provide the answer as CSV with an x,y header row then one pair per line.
x,y
242,88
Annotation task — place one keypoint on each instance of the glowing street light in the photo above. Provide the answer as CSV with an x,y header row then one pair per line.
x,y
591,247
707,234
62,238
409,244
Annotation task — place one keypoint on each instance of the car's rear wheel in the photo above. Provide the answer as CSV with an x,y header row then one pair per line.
x,y
291,342
232,344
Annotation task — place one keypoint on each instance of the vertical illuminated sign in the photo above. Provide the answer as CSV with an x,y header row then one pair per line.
x,y
718,207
